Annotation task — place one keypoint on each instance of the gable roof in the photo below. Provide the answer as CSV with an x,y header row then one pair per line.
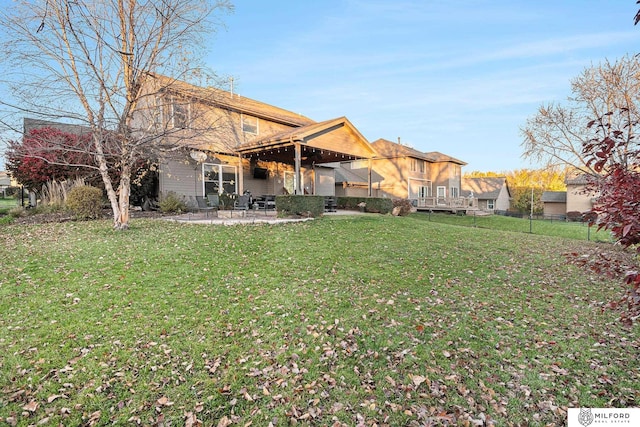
x,y
554,197
388,149
312,138
231,101
485,188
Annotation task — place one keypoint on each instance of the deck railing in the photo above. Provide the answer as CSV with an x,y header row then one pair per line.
x,y
446,203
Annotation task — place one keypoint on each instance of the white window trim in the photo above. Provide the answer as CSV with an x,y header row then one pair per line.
x,y
441,189
220,174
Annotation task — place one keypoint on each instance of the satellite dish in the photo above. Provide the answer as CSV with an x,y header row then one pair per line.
x,y
198,156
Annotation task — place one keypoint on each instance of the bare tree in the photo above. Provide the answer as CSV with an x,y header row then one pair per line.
x,y
557,133
90,62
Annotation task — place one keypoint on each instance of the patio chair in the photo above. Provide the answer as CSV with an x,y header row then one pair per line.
x,y
242,203
203,206
214,200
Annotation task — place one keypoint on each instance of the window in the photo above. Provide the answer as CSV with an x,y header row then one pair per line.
x,y
491,204
157,113
180,113
454,192
219,179
250,124
418,165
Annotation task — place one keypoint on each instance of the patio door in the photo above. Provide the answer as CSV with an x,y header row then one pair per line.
x,y
420,191
441,195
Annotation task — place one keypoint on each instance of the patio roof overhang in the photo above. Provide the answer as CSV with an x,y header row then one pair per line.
x,y
325,142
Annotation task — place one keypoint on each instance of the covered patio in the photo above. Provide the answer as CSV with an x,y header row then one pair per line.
x,y
309,146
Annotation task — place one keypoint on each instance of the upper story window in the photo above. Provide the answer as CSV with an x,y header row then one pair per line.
x,y
418,165
180,113
249,124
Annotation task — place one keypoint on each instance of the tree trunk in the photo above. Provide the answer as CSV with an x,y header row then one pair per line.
x,y
124,191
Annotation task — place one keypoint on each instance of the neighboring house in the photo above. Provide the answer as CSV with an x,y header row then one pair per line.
x,y
492,193
5,180
431,180
236,144
579,199
554,203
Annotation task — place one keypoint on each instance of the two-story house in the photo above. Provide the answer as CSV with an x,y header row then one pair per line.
x,y
221,142
431,180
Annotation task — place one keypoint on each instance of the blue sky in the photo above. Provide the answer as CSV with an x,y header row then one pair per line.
x,y
455,76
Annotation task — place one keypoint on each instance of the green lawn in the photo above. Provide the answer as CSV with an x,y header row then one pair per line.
x,y
569,230
8,203
370,320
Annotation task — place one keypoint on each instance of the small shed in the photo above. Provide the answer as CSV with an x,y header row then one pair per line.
x,y
554,203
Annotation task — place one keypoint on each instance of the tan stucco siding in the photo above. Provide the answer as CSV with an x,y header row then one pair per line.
x,y
395,182
578,200
502,202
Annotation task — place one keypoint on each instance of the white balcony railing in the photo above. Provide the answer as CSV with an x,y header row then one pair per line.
x,y
447,203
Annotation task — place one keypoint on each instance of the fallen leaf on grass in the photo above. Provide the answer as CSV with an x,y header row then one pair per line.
x,y
31,406
190,420
164,401
55,396
418,379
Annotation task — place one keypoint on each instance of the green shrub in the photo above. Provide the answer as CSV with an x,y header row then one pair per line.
x,y
372,204
85,202
404,206
5,220
310,206
171,203
226,201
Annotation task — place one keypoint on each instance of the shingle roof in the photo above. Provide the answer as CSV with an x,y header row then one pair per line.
x,y
554,197
582,179
390,149
484,188
232,101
